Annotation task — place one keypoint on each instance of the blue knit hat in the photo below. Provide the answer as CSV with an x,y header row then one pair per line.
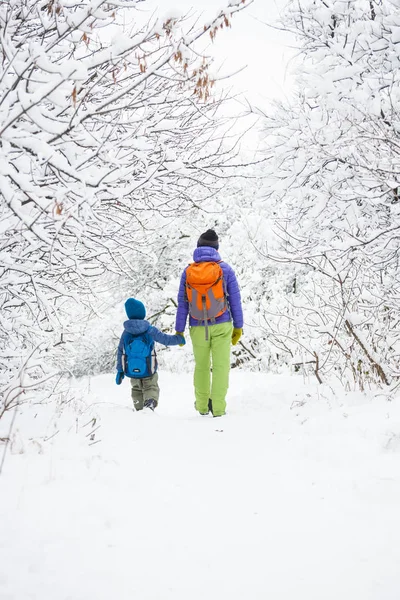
x,y
135,309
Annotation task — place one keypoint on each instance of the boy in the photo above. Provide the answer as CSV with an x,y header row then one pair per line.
x,y
136,356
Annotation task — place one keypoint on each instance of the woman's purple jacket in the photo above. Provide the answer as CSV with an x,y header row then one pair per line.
x,y
235,313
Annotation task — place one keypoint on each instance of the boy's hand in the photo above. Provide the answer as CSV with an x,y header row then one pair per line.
x,y
236,335
183,338
119,377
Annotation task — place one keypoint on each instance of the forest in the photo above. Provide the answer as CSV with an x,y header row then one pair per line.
x,y
120,143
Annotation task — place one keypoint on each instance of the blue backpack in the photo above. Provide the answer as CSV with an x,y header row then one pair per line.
x,y
139,358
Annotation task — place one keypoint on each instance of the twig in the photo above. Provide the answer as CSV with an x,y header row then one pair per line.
x,y
8,439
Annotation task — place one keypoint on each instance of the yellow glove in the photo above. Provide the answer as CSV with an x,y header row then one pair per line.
x,y
179,333
236,335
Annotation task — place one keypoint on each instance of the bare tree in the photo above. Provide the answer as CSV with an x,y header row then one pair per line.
x,y
97,138
334,157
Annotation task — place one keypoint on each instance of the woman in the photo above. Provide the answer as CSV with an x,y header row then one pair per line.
x,y
216,321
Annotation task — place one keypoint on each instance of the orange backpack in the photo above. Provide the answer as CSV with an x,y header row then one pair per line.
x,y
205,292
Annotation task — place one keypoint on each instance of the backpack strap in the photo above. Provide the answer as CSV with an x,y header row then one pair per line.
x,y
205,315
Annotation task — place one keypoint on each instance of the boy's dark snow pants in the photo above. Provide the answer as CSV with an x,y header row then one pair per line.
x,y
145,389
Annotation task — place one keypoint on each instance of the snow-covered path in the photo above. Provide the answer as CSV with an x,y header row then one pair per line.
x,y
290,496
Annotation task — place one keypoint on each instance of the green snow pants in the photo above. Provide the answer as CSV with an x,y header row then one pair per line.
x,y
145,389
215,350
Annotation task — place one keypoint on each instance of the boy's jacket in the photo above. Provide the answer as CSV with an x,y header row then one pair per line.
x,y
137,326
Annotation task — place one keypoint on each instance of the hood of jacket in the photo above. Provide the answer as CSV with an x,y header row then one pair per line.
x,y
206,254
136,326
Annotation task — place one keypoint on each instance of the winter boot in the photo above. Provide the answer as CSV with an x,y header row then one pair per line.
x,y
204,414
150,403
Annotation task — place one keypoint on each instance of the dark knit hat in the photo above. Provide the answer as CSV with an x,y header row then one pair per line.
x,y
135,309
209,238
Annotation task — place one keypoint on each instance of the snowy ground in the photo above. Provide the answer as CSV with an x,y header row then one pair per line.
x,y
294,495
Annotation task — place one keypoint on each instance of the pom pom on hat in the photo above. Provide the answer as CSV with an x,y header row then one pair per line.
x,y
135,309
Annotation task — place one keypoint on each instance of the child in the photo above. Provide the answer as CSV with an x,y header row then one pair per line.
x,y
136,357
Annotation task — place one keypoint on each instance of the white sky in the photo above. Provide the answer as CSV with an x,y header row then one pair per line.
x,y
250,43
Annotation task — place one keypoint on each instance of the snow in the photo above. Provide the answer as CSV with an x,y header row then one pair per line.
x,y
294,494
165,124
